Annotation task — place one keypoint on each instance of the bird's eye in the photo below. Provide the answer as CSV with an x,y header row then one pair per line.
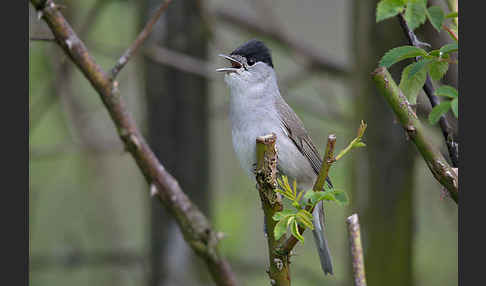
x,y
251,62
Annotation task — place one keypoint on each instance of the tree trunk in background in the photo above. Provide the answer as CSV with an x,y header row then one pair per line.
x,y
383,173
178,133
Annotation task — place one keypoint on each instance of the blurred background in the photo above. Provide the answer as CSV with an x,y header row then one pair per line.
x,y
91,219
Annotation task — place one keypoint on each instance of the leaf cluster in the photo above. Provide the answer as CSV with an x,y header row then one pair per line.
x,y
302,202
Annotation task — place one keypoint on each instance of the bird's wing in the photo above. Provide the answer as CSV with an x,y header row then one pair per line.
x,y
296,131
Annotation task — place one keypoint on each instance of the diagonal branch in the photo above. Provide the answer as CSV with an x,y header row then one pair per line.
x,y
410,122
196,228
452,146
122,61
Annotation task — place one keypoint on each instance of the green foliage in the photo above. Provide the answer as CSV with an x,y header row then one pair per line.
x,y
415,13
300,214
452,103
437,69
411,85
389,8
449,48
436,17
399,54
438,111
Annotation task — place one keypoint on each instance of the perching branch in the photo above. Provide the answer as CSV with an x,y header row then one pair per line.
x,y
410,122
139,41
452,146
266,176
314,57
356,248
196,228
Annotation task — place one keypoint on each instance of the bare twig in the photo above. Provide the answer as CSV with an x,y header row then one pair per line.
x,y
196,228
314,57
452,146
139,41
356,248
266,176
410,122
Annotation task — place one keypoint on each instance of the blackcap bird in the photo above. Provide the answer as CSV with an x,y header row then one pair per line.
x,y
257,109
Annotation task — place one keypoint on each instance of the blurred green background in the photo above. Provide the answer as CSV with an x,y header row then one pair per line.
x,y
91,219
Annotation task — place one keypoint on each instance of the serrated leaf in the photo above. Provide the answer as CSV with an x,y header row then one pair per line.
x,y
438,69
449,48
454,107
388,8
418,66
447,91
400,53
341,197
410,86
415,13
280,229
438,111
436,17
294,229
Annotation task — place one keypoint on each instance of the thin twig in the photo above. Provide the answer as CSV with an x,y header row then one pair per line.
x,y
196,228
356,248
410,122
449,30
139,41
452,146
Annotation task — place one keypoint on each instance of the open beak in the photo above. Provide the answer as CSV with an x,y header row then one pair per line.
x,y
235,64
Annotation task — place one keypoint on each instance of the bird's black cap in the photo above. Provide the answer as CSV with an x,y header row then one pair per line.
x,y
254,50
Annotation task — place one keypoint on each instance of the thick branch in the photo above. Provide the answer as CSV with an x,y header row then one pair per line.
x,y
328,159
139,41
452,146
195,227
410,122
314,57
266,176
356,248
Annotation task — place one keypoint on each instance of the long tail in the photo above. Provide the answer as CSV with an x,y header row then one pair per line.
x,y
320,239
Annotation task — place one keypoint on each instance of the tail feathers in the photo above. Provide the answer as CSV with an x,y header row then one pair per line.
x,y
320,239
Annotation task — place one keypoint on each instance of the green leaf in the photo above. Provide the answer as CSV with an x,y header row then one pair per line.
x,y
280,229
341,197
438,111
418,66
436,17
449,48
447,91
305,220
388,8
294,229
283,214
438,69
400,53
415,14
454,107
410,86
452,15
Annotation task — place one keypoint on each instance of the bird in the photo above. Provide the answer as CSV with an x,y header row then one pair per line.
x,y
256,108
